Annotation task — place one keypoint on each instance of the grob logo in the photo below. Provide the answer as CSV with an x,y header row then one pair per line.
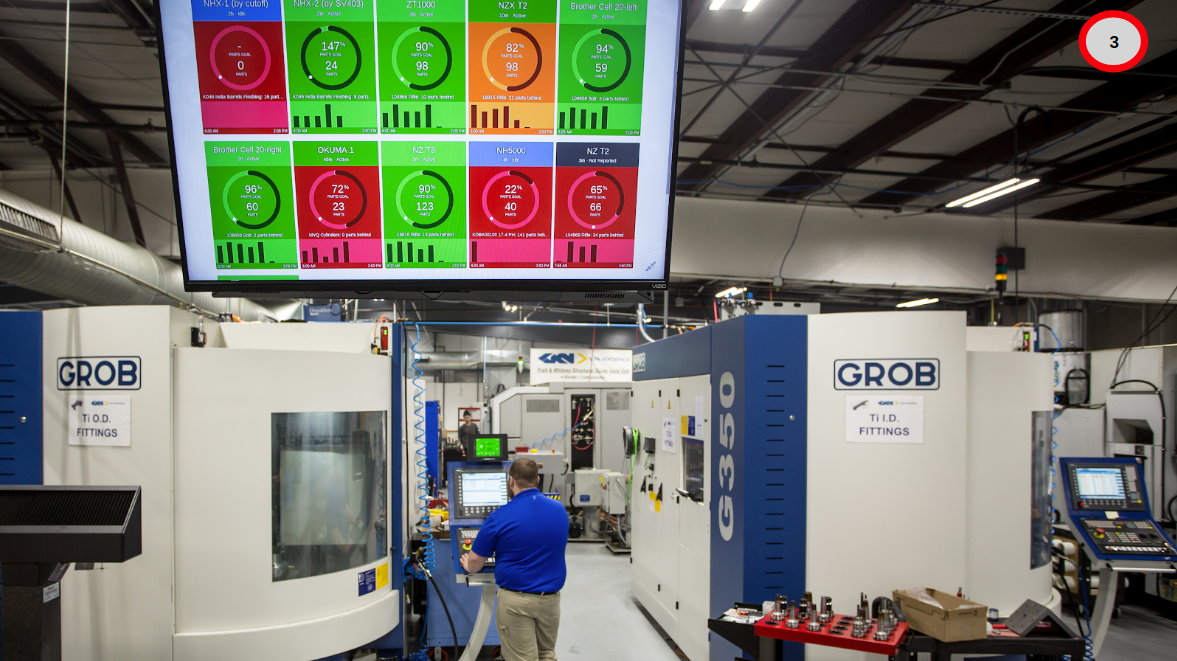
x,y
99,373
887,374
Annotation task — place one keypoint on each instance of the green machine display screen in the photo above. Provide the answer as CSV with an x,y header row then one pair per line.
x,y
485,448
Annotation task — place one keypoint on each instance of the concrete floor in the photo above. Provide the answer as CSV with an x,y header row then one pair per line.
x,y
599,617
1138,634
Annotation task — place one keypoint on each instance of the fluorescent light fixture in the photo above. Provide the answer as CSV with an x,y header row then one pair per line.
x,y
1003,191
716,4
750,5
982,193
916,304
731,291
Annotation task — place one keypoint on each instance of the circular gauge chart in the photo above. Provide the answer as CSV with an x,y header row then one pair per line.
x,y
421,58
596,200
601,60
510,199
331,57
251,199
424,199
338,199
512,59
239,57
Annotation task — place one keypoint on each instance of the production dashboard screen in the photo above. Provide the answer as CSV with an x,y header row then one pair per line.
x,y
413,141
484,489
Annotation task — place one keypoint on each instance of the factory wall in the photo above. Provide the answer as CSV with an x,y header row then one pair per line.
x,y
928,250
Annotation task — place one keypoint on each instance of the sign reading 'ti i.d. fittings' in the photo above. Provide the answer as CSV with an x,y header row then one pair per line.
x,y
885,419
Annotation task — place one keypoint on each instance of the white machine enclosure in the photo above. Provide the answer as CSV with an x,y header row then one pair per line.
x,y
200,449
1005,392
671,538
540,417
928,483
228,605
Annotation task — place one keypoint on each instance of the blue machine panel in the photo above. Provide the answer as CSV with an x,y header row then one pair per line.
x,y
461,599
758,464
1131,525
432,439
688,354
20,398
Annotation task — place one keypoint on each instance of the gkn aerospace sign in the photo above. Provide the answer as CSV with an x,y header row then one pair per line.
x,y
601,365
99,373
887,374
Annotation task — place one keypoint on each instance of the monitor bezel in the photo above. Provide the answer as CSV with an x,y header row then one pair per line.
x,y
383,287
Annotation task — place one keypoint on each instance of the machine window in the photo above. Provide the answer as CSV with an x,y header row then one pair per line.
x,y
328,494
1041,508
692,468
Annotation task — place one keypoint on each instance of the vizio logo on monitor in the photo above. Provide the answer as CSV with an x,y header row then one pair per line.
x,y
99,373
887,374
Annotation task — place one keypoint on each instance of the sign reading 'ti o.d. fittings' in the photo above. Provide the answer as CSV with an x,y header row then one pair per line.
x,y
100,420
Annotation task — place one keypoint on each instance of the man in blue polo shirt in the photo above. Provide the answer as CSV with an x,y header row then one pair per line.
x,y
527,536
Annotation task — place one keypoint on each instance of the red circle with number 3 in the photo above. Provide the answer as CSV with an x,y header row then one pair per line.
x,y
1116,28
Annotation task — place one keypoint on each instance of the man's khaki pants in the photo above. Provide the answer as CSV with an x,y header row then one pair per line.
x,y
528,624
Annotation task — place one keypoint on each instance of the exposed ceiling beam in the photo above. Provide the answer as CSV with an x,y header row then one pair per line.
x,y
1166,217
1109,203
834,49
1121,157
793,53
78,151
135,17
38,5
1016,53
923,156
116,154
24,62
1041,129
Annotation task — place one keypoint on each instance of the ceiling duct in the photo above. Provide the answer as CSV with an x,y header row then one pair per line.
x,y
41,251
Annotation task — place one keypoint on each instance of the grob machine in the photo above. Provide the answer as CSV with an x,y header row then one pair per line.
x,y
1109,514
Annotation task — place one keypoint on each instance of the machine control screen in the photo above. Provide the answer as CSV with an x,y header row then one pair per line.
x,y
480,492
1108,487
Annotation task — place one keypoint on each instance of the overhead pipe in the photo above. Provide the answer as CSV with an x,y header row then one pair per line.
x,y
83,265
642,322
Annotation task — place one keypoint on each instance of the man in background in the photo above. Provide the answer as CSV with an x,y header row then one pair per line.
x,y
467,432
527,537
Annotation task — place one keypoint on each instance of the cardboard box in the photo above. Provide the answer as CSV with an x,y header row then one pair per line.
x,y
953,620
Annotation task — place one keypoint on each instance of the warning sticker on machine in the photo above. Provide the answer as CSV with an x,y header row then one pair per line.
x,y
885,419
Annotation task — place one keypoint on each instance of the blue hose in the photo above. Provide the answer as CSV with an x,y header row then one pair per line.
x,y
427,558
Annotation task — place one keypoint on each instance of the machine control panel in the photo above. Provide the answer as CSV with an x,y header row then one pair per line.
x,y
1107,508
464,538
478,491
1125,537
1105,487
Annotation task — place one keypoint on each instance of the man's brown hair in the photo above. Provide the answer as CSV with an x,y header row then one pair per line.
x,y
526,473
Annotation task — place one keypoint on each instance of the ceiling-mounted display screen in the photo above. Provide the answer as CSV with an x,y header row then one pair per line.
x,y
390,145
